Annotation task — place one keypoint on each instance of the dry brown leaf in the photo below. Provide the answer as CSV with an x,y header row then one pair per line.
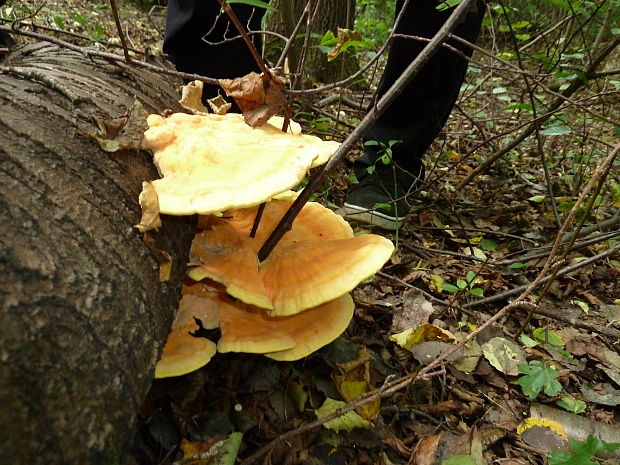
x,y
219,105
191,98
344,36
150,208
258,98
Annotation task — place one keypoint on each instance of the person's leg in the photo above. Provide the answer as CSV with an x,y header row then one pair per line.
x,y
5,38
188,21
416,117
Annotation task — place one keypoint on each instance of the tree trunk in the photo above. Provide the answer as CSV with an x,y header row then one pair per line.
x,y
331,15
83,313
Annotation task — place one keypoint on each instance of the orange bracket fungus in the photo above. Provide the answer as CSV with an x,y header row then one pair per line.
x,y
294,301
312,265
245,328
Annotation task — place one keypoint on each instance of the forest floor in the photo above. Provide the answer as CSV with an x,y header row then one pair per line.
x,y
466,251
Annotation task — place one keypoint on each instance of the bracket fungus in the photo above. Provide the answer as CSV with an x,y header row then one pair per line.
x,y
317,261
211,163
184,353
246,328
297,299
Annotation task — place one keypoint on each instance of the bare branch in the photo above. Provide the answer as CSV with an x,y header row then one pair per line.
x,y
119,28
385,101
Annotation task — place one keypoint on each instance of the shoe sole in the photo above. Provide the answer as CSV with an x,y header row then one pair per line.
x,y
373,217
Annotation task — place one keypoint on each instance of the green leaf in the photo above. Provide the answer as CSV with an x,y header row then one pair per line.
x,y
538,378
537,198
581,451
559,130
470,277
527,341
488,244
548,336
383,206
564,457
98,33
516,265
346,422
59,22
592,446
449,287
571,404
478,292
447,4
461,284
582,305
78,18
459,460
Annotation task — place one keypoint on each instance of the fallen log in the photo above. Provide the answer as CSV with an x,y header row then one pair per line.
x,y
83,313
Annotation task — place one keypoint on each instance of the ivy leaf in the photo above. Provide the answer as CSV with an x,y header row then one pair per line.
x,y
538,378
581,451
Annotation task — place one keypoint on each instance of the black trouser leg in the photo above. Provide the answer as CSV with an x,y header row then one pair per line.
x,y
420,112
186,24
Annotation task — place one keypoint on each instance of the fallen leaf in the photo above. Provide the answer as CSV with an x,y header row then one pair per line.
x,y
354,381
504,355
345,37
219,105
258,97
469,355
191,98
605,395
149,203
124,132
346,422
423,333
415,311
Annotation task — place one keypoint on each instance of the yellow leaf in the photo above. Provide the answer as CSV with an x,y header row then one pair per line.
x,y
423,333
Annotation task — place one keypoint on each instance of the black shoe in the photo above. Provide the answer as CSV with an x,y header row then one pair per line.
x,y
380,198
372,204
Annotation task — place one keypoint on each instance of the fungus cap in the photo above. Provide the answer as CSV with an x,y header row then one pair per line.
x,y
250,329
211,163
315,327
184,353
307,268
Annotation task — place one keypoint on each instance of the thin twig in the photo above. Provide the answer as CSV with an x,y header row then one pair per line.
x,y
386,390
121,33
257,218
428,295
233,17
576,322
512,292
554,106
291,39
412,70
92,53
543,253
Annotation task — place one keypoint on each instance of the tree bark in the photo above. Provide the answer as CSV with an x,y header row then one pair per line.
x,y
83,314
331,15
